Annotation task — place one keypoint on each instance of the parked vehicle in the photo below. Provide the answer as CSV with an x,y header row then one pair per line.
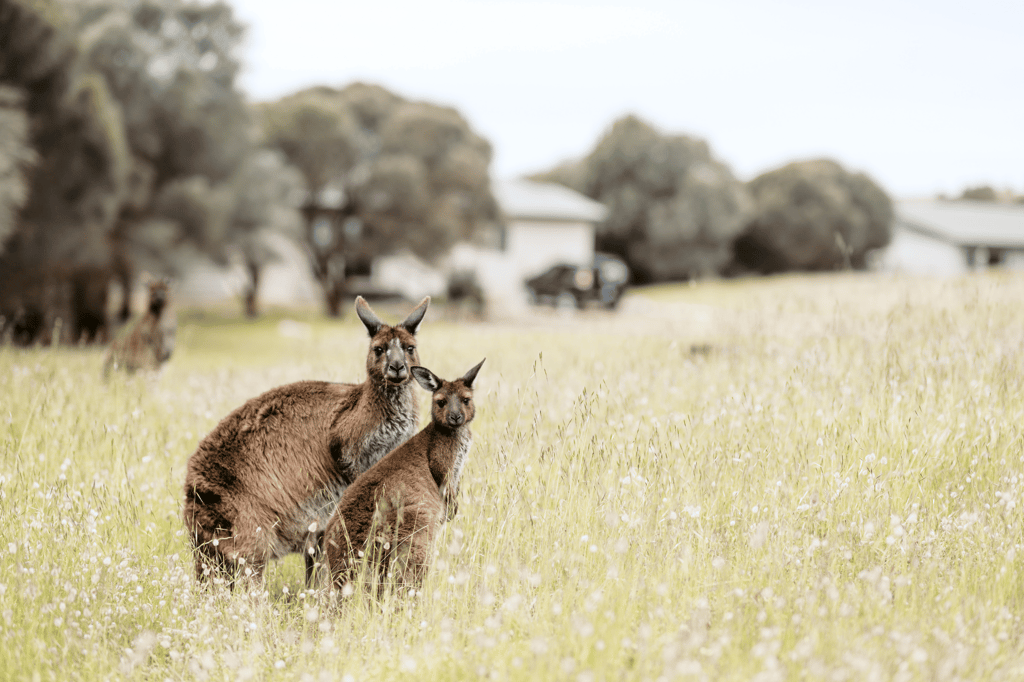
x,y
566,285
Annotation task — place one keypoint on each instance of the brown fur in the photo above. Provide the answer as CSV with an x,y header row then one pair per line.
x,y
150,341
394,510
264,482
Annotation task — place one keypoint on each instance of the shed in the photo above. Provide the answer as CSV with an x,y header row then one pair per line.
x,y
546,224
949,237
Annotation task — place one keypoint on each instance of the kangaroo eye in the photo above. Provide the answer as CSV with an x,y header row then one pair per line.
x,y
379,350
410,350
465,401
442,402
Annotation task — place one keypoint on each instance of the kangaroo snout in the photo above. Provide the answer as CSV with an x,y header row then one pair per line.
x,y
455,418
396,370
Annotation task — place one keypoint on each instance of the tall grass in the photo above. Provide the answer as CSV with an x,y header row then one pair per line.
x,y
801,478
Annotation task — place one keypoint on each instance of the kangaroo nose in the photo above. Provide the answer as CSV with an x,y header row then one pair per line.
x,y
395,363
455,419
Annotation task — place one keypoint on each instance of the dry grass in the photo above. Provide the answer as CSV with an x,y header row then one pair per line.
x,y
799,478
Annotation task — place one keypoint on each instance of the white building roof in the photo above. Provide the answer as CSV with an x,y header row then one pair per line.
x,y
965,223
527,199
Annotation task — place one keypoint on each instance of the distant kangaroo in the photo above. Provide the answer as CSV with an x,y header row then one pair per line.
x,y
265,481
150,341
394,510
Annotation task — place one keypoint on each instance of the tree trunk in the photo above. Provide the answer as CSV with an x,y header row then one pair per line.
x,y
334,294
251,309
123,275
327,258
89,305
335,272
251,290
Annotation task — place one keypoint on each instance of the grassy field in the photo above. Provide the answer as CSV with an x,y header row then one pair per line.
x,y
798,478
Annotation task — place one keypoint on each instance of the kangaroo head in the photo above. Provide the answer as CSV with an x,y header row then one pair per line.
x,y
392,349
452,403
158,289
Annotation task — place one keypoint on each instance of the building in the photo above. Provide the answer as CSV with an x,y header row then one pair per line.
x,y
547,224
543,224
939,237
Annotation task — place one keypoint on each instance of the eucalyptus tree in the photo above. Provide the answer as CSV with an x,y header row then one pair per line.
x,y
16,158
65,155
264,190
673,209
171,66
814,215
980,193
381,174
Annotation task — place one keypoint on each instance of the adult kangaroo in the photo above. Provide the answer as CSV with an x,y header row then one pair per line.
x,y
150,341
266,480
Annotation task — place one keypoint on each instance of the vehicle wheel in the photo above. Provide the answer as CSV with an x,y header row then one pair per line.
x,y
565,301
611,296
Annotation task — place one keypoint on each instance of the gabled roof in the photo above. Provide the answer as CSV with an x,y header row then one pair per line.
x,y
527,199
965,223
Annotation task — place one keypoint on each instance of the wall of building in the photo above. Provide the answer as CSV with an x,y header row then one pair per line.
x,y
535,246
497,274
286,281
915,254
408,275
532,247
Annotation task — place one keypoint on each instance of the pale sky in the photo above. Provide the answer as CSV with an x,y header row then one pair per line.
x,y
925,97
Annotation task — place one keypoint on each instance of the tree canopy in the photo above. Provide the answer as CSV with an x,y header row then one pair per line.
x,y
171,67
980,193
67,193
674,209
123,141
382,173
16,158
264,190
814,215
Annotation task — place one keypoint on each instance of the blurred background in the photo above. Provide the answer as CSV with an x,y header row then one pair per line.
x,y
498,155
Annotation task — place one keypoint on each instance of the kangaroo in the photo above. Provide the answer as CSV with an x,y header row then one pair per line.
x,y
394,510
264,481
150,341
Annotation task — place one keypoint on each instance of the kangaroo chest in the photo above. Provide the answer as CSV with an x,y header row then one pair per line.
x,y
357,456
463,443
383,438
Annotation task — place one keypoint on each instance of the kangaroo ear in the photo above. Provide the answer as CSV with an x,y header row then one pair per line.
x,y
470,376
425,378
369,318
412,323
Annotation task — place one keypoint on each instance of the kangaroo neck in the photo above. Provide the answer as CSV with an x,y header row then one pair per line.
x,y
444,446
391,399
392,402
444,433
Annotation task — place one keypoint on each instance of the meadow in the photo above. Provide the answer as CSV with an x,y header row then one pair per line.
x,y
793,478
